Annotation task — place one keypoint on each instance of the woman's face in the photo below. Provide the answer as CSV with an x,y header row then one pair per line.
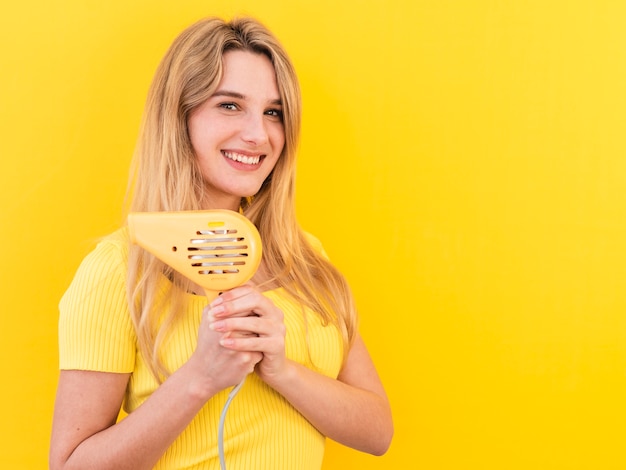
x,y
238,133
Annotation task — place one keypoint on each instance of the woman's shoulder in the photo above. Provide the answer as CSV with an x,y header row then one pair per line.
x,y
119,239
95,327
109,255
114,245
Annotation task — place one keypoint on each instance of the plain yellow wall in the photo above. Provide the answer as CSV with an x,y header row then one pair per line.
x,y
463,162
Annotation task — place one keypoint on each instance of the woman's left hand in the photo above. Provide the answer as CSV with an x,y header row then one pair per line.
x,y
245,309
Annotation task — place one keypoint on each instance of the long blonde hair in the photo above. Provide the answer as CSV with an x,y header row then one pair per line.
x,y
165,177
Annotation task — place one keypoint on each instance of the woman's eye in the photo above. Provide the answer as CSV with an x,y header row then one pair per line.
x,y
277,113
228,106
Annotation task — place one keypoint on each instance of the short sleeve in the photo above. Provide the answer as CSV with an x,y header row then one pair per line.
x,y
95,328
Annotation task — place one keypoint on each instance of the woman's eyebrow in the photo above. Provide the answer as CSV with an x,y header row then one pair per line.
x,y
230,94
236,95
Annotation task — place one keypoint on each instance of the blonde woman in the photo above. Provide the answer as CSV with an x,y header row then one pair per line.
x,y
220,131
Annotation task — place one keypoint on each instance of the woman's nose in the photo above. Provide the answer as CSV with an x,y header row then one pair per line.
x,y
254,130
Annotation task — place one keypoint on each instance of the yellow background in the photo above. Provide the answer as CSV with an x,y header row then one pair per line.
x,y
462,161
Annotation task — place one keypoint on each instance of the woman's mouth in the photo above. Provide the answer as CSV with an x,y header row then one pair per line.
x,y
245,159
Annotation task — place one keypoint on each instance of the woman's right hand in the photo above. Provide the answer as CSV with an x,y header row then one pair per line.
x,y
216,366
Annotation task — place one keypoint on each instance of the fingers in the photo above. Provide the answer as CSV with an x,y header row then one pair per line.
x,y
247,321
255,326
241,301
249,360
266,323
268,339
225,366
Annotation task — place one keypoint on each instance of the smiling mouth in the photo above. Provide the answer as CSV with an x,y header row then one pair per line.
x,y
237,157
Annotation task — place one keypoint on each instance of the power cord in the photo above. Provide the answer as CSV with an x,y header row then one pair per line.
x,y
220,431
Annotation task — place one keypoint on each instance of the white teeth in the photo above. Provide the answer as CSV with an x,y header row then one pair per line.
x,y
242,158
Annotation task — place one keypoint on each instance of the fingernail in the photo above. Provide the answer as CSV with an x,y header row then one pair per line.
x,y
227,341
216,301
217,310
217,325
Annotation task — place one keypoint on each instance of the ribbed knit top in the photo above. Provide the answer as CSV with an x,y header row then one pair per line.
x,y
262,430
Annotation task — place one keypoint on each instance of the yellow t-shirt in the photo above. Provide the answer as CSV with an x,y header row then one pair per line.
x,y
262,430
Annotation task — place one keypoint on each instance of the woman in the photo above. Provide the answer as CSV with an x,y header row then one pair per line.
x,y
220,131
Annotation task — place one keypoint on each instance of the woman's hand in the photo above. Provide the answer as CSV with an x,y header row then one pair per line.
x,y
217,366
246,309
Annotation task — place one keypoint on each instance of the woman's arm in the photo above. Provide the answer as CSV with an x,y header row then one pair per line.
x,y
352,410
85,433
